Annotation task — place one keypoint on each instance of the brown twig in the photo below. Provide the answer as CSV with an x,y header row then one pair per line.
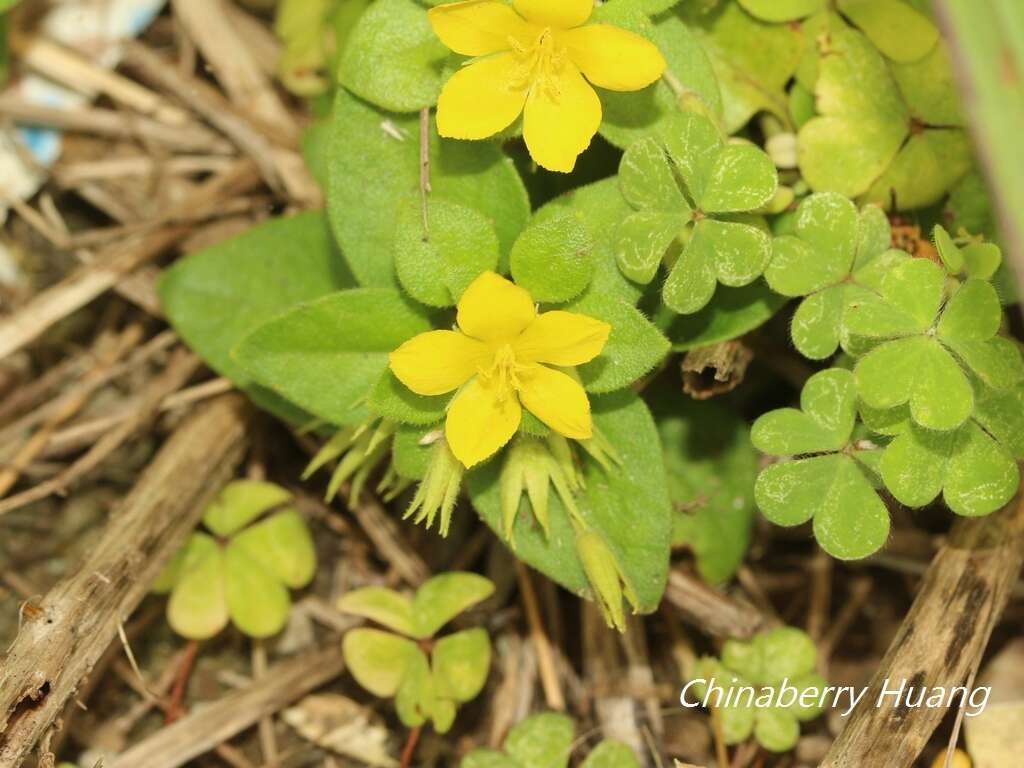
x,y
960,598
711,611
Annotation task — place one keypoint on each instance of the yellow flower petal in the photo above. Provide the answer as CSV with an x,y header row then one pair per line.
x,y
481,99
557,400
479,27
563,14
438,361
613,58
560,119
495,310
480,421
562,338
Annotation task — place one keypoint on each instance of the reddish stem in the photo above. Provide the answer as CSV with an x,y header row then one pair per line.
x,y
174,710
410,748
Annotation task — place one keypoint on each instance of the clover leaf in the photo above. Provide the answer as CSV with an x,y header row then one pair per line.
x,y
975,473
868,140
835,255
830,480
259,549
974,259
723,181
923,345
396,665
545,740
778,665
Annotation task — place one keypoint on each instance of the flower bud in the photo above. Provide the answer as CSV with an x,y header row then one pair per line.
x,y
532,465
439,489
605,577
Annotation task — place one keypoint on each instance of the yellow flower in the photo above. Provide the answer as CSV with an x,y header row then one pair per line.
x,y
536,54
498,360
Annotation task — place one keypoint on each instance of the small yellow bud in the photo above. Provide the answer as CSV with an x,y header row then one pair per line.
x,y
960,760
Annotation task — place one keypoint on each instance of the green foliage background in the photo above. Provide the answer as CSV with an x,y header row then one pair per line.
x,y
750,193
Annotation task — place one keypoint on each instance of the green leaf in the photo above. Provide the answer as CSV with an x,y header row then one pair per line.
x,y
731,313
327,355
897,29
241,502
628,507
927,166
384,606
1001,413
611,754
642,240
461,664
930,90
863,120
646,178
920,371
711,470
742,178
198,607
552,259
782,10
488,758
776,729
415,700
976,474
752,60
282,545
375,166
825,422
634,347
822,252
436,265
972,313
997,361
378,660
786,653
442,598
908,302
850,520
719,251
393,58
816,326
257,600
392,400
693,143
541,741
602,207
217,296
409,456
978,260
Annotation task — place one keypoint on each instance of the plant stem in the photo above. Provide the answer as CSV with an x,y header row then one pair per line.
x,y
410,747
174,709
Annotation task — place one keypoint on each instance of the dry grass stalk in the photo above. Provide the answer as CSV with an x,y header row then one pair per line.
x,y
201,731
